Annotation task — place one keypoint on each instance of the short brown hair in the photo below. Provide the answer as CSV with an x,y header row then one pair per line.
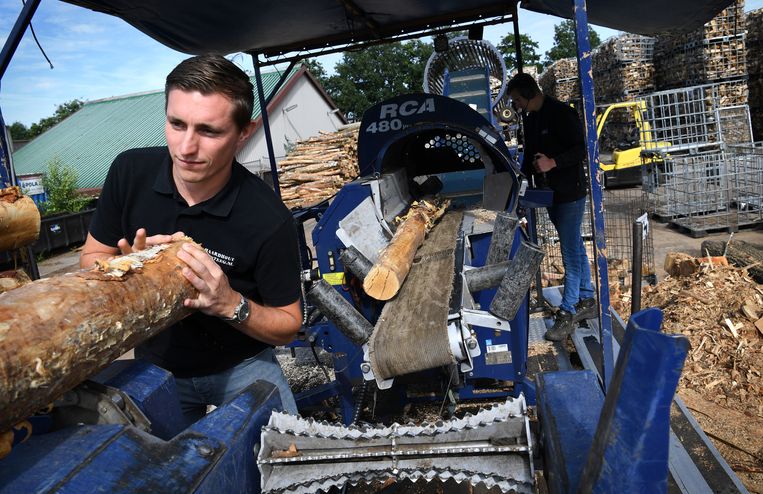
x,y
209,74
525,84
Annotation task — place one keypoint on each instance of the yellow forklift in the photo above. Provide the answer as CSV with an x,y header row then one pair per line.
x,y
624,136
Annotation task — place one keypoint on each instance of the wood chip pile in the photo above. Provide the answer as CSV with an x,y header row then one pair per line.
x,y
318,167
560,80
754,42
623,68
711,53
720,309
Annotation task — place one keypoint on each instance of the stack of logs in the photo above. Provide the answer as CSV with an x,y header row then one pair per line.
x,y
623,68
712,53
318,167
560,80
755,69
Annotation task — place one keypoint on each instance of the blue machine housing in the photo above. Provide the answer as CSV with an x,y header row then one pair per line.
x,y
425,135
212,455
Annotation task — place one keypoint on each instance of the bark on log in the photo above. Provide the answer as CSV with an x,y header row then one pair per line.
x,y
485,277
19,219
56,332
355,262
10,280
385,278
502,238
339,311
517,280
739,253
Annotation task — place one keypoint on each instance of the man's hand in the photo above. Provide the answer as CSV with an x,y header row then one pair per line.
x,y
141,241
216,297
543,163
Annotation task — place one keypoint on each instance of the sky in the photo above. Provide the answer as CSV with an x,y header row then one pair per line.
x,y
98,56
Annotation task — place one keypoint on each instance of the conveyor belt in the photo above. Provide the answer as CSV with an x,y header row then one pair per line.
x,y
411,333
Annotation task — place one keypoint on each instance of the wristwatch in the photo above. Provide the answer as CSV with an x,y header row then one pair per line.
x,y
240,313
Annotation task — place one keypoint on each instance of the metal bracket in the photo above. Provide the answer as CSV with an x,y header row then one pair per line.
x,y
368,372
485,319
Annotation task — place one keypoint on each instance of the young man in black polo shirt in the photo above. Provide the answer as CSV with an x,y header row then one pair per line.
x,y
247,273
554,154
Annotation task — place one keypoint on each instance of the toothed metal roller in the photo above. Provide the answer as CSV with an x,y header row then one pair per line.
x,y
492,447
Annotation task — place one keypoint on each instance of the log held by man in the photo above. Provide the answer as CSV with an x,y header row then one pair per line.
x,y
19,219
56,332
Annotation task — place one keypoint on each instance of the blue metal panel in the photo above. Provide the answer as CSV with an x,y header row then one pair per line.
x,y
152,389
394,119
568,405
214,455
238,425
592,147
627,451
630,450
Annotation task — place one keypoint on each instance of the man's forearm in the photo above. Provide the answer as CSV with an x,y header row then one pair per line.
x,y
273,325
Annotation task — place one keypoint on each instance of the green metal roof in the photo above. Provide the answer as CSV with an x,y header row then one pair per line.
x,y
90,139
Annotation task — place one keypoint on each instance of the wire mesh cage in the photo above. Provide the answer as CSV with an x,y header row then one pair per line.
x,y
621,208
710,191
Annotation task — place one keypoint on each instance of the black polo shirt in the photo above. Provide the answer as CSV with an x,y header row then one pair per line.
x,y
244,227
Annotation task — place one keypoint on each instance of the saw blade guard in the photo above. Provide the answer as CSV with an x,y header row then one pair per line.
x,y
432,137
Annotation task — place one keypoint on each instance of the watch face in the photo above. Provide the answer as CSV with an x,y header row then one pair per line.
x,y
243,311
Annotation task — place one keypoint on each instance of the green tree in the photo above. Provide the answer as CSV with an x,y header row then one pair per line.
x,y
316,68
19,131
365,77
62,111
529,54
60,182
564,41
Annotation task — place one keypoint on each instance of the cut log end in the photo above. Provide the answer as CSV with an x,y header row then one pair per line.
x,y
381,283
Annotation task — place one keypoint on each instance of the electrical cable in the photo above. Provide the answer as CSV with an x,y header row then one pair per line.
x,y
31,29
318,361
447,389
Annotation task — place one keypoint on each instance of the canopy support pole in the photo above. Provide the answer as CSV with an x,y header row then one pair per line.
x,y
592,147
266,124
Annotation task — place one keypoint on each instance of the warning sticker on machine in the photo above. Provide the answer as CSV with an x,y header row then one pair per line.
x,y
497,354
334,278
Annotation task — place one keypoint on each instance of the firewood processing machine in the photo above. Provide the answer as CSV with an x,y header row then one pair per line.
x,y
457,330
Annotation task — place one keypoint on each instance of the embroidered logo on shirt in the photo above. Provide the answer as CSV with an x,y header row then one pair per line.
x,y
221,258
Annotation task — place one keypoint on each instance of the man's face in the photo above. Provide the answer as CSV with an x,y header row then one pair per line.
x,y
520,103
202,137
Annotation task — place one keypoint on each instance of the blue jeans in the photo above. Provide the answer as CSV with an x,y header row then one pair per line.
x,y
567,218
215,389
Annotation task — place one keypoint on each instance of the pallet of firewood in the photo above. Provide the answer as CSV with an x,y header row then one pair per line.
x,y
560,80
714,52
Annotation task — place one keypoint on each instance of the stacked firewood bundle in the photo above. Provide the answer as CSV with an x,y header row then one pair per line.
x,y
728,98
623,68
754,42
560,80
318,167
711,53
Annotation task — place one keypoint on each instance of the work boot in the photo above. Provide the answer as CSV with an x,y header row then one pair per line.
x,y
563,325
585,309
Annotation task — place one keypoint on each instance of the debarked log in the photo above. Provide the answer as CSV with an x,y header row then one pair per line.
x,y
56,332
387,275
19,219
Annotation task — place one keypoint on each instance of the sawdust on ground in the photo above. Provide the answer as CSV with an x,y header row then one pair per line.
x,y
720,310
